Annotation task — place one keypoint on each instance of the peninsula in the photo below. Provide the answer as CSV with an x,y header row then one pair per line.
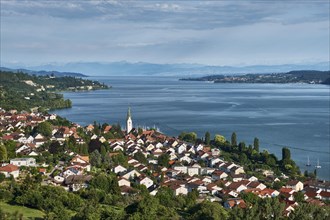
x,y
22,91
299,76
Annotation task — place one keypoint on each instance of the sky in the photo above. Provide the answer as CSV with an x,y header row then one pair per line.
x,y
233,33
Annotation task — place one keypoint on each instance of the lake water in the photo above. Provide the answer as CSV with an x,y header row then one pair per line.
x,y
294,115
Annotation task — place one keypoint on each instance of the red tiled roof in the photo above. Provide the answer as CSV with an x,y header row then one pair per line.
x,y
9,168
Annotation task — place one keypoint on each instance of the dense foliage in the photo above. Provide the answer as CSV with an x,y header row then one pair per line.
x,y
24,92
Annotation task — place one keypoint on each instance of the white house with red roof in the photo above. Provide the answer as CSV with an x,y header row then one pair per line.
x,y
10,170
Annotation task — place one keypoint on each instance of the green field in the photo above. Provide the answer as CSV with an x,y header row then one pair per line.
x,y
28,213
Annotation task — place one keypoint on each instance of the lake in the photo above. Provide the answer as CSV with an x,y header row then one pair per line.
x,y
293,115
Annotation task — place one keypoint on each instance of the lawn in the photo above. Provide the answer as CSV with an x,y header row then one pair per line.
x,y
28,213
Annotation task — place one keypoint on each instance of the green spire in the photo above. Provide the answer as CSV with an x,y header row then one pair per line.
x,y
129,113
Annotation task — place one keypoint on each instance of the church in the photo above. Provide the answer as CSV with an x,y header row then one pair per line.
x,y
129,123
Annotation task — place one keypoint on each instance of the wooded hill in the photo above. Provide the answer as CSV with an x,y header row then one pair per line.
x,y
27,92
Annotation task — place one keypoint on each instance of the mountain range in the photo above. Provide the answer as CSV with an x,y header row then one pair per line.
x,y
142,68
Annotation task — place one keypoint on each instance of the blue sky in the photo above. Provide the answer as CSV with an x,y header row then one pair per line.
x,y
204,32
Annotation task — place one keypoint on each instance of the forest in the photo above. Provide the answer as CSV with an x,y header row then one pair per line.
x,y
21,91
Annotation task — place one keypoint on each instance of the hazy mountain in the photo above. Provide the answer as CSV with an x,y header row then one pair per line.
x,y
43,72
141,68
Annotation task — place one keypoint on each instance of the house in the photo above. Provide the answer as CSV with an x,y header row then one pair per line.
x,y
186,159
107,129
159,145
182,148
124,182
231,203
81,162
118,148
157,152
213,188
22,148
253,178
150,147
126,190
218,175
153,190
59,179
256,185
179,189
197,185
182,169
295,185
206,170
192,171
10,170
71,172
119,169
77,182
237,170
131,174
227,167
214,161
268,193
237,186
145,181
90,128
28,162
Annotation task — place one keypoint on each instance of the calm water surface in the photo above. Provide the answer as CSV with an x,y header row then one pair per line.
x,y
294,115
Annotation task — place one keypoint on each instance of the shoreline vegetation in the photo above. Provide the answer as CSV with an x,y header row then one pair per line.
x,y
302,76
22,91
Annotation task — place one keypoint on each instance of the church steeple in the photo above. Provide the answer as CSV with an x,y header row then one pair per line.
x,y
129,123
129,113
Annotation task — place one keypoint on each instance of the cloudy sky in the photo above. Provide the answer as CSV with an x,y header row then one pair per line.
x,y
206,32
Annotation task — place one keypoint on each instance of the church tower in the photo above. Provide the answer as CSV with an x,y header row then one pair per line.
x,y
129,123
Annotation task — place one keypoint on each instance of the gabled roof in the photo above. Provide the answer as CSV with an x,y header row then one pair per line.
x,y
292,182
9,168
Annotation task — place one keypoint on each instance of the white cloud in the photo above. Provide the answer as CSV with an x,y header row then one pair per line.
x,y
211,32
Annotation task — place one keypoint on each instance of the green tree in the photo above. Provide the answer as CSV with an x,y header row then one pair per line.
x,y
140,131
271,208
163,160
241,146
309,212
299,197
96,158
44,128
286,154
89,212
189,137
11,147
208,210
94,144
219,139
56,148
2,177
166,197
139,156
103,150
3,153
233,139
256,144
207,138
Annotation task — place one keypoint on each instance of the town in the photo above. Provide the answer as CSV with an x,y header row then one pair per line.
x,y
64,154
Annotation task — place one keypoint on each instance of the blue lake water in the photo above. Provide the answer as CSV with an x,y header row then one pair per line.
x,y
293,115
